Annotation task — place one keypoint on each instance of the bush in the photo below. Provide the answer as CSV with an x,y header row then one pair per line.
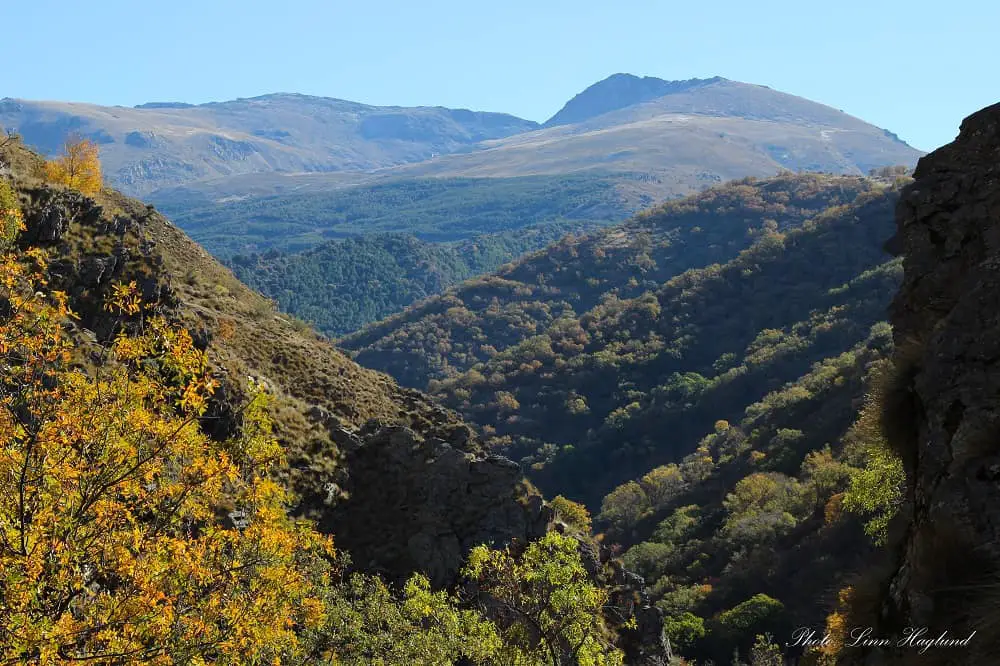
x,y
684,630
573,514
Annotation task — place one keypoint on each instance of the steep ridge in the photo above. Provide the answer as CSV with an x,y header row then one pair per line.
x,y
942,416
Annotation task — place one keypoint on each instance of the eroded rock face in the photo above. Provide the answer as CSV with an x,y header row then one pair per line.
x,y
50,212
417,504
420,504
946,319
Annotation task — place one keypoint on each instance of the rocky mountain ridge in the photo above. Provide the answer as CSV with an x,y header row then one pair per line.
x,y
942,416
617,92
152,146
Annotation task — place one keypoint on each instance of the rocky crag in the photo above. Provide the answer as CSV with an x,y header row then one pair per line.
x,y
942,412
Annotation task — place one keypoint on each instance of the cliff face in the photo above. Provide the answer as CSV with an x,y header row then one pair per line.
x,y
946,425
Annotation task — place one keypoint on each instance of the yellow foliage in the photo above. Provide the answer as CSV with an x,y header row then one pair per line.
x,y
836,629
79,167
114,541
11,221
574,514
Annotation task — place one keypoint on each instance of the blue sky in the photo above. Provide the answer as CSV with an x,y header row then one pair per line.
x,y
916,68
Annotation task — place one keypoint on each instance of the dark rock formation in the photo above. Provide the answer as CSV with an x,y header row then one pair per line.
x,y
403,503
946,423
419,504
50,212
646,644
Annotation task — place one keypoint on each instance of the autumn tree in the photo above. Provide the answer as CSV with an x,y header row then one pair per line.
x,y
826,475
127,535
78,167
762,507
876,488
765,652
549,611
11,221
662,484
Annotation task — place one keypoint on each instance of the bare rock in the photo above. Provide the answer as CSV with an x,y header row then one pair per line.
x,y
419,504
946,320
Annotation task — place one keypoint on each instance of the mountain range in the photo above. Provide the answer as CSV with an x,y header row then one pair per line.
x,y
680,135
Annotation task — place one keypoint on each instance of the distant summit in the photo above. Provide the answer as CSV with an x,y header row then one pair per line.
x,y
164,105
619,91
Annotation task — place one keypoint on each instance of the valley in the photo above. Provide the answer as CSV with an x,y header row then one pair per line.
x,y
639,384
291,173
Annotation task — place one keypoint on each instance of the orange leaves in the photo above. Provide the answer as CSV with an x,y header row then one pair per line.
x,y
79,166
111,540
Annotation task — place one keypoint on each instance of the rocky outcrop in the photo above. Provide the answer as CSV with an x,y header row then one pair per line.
x,y
85,265
403,503
420,504
946,419
50,212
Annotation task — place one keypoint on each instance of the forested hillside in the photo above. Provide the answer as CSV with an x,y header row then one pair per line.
x,y
587,401
470,323
343,285
440,210
775,511
707,415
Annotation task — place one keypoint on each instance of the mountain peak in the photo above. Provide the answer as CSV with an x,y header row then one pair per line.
x,y
619,91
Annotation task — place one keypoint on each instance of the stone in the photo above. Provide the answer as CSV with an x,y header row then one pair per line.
x,y
946,320
418,504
